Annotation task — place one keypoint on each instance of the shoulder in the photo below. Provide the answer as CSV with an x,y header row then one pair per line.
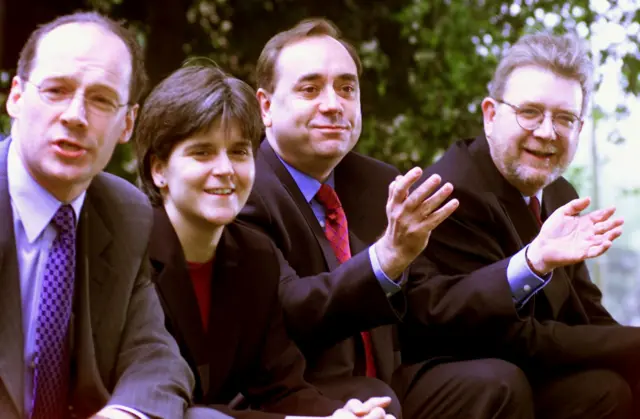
x,y
249,239
456,164
562,188
359,162
122,206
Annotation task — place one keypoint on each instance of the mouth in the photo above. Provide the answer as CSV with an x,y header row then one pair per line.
x,y
68,148
220,191
331,127
540,154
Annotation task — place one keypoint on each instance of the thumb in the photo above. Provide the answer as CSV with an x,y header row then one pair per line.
x,y
576,206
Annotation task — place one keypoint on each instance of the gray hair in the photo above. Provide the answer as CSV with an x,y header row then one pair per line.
x,y
565,55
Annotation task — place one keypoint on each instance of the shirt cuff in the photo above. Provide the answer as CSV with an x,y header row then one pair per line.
x,y
389,286
116,411
524,283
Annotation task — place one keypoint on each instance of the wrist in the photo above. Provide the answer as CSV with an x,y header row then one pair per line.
x,y
535,259
389,259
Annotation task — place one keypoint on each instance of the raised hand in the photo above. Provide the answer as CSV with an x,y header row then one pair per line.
x,y
411,218
567,237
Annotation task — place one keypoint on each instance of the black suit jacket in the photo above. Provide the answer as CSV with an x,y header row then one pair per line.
x,y
246,348
326,304
122,353
564,325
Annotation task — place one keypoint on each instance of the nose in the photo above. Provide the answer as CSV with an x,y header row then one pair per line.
x,y
546,130
75,115
222,165
330,102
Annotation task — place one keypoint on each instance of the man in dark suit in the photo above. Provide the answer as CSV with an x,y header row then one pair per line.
x,y
539,309
81,324
348,228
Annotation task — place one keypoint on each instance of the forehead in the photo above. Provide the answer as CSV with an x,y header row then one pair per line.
x,y
539,85
314,55
83,51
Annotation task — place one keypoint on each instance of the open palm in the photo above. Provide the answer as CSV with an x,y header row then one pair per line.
x,y
568,237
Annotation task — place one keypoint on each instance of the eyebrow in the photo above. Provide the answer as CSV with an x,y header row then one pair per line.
x,y
317,76
555,109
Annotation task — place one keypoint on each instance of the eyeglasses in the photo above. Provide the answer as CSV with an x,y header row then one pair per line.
x,y
530,118
57,94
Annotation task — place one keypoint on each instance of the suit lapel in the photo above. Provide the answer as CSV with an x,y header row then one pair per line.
x,y
91,291
292,189
227,273
174,287
11,333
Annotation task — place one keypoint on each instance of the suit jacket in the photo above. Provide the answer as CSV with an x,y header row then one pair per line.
x,y
246,348
121,352
326,304
564,325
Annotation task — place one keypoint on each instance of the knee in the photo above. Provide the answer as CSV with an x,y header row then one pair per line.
x,y
612,396
497,376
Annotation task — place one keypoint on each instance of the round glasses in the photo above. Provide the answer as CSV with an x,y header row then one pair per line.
x,y
58,94
530,118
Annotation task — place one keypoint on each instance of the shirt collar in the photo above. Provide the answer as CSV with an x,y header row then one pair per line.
x,y
307,185
34,205
538,195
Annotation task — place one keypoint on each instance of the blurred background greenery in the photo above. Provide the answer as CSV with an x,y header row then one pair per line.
x,y
427,64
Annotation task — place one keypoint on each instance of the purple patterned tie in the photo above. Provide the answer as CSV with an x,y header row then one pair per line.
x,y
51,375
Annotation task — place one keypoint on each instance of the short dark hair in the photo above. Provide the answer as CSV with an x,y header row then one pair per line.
x,y
190,101
307,28
138,81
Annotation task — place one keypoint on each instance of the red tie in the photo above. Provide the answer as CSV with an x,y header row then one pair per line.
x,y
337,232
534,207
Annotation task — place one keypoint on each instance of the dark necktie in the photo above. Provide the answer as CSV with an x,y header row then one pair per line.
x,y
51,375
534,207
337,232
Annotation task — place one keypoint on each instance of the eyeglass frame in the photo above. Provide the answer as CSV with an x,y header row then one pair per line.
x,y
518,109
89,109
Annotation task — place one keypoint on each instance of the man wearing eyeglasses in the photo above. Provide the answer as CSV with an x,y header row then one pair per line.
x,y
81,328
518,244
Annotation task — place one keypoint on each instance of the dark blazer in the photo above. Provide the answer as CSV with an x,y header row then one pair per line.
x,y
246,348
564,325
326,304
122,354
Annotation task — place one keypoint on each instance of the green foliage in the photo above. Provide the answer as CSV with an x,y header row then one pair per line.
x,y
427,63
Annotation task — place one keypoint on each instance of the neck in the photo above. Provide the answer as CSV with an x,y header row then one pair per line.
x,y
198,238
317,167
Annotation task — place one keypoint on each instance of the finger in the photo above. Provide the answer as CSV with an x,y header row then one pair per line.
x,y
377,402
403,183
605,226
613,234
595,251
420,194
602,214
356,407
376,413
436,200
389,416
576,206
343,414
438,216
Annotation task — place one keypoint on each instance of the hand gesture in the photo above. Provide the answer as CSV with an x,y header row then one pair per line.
x,y
371,409
411,219
567,237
